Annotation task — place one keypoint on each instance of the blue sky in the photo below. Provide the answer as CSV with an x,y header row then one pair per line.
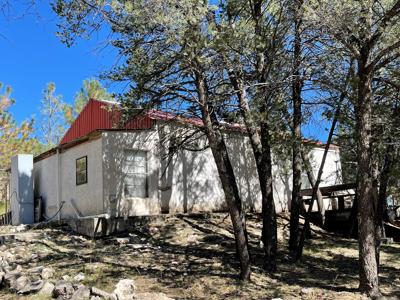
x,y
32,55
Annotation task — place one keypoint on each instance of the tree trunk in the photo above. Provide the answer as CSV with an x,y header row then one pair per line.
x,y
296,147
269,231
312,180
365,190
262,151
226,174
263,157
382,205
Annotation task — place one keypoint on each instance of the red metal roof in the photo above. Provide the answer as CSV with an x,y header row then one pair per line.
x,y
106,115
102,115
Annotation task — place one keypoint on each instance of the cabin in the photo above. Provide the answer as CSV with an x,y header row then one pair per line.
x,y
104,169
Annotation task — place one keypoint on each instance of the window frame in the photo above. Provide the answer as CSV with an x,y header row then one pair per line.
x,y
125,173
86,170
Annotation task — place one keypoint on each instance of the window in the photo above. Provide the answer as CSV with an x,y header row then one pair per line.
x,y
81,170
135,174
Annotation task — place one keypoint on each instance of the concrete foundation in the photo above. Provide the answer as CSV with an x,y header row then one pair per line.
x,y
101,227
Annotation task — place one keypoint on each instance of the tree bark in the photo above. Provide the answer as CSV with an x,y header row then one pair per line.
x,y
312,180
296,147
269,231
263,156
226,174
382,205
365,190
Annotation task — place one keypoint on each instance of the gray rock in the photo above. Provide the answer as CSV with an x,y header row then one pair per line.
x,y
63,289
122,241
66,278
151,296
32,287
103,294
137,246
35,270
20,283
82,293
47,289
11,277
125,289
21,228
47,273
79,277
2,274
306,291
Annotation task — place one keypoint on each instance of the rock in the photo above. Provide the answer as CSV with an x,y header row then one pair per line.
x,y
18,268
47,289
4,264
9,257
20,228
11,277
32,287
124,290
2,274
103,294
136,246
63,289
95,298
35,270
81,293
66,278
306,291
122,241
151,296
192,239
79,277
47,273
20,283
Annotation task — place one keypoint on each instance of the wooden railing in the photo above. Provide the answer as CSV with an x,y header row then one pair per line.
x,y
5,219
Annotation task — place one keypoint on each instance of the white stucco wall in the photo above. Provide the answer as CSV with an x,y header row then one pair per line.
x,y
188,183
80,200
45,184
332,173
114,146
85,199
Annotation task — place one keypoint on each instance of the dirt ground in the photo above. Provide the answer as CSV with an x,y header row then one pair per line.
x,y
193,257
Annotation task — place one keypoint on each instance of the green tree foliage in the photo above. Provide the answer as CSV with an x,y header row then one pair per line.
x,y
91,89
52,120
14,138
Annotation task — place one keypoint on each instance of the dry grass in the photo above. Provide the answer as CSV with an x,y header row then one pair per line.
x,y
194,258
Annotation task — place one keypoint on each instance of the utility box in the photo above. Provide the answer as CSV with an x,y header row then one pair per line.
x,y
21,189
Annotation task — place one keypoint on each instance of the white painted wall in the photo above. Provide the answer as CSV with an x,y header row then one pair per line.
x,y
45,184
114,144
85,199
189,183
79,200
